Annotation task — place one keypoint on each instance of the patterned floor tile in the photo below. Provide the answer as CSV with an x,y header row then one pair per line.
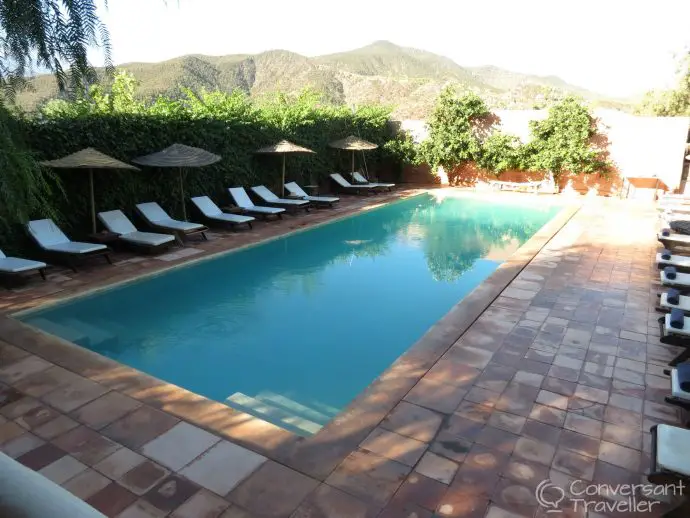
x,y
179,446
275,491
222,467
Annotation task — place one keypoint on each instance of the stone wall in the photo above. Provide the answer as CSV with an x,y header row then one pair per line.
x,y
470,176
646,152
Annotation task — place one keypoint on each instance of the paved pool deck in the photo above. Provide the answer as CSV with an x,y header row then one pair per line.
x,y
551,369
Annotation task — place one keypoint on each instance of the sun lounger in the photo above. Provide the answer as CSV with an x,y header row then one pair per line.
x,y
271,199
670,464
15,266
677,198
673,208
515,186
116,221
212,212
673,279
683,303
346,186
360,180
295,190
157,218
680,393
674,335
679,262
241,199
53,241
672,240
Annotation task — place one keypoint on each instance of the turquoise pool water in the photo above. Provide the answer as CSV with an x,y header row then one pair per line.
x,y
293,329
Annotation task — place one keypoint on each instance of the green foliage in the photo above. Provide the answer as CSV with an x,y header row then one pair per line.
x,y
563,142
402,149
24,188
49,34
462,130
500,152
456,127
115,122
669,103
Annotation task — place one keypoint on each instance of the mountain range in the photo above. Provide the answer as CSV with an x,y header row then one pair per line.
x,y
407,78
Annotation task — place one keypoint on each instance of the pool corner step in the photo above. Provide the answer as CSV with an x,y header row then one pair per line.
x,y
65,332
294,408
96,336
273,414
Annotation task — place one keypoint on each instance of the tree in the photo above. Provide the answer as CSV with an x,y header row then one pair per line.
x,y
563,142
457,127
49,34
669,103
500,152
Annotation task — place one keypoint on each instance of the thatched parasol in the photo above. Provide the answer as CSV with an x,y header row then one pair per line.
x,y
180,157
353,144
89,159
283,148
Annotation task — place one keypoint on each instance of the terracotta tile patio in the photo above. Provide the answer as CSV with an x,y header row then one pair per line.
x,y
560,377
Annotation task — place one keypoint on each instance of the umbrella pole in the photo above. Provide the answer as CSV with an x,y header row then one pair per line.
x,y
184,209
93,202
353,160
282,185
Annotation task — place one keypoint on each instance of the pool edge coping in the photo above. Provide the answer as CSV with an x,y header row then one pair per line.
x,y
317,455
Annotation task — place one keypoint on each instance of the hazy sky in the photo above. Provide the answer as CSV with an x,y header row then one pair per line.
x,y
617,47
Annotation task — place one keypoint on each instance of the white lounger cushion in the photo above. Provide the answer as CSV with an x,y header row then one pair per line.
x,y
147,238
679,238
683,303
296,190
266,210
16,264
242,200
322,199
344,183
155,215
672,452
232,218
674,208
49,237
676,391
359,178
685,331
265,194
682,279
173,224
75,247
116,221
675,260
211,211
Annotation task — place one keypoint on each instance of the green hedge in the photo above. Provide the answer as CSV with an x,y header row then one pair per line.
x,y
226,124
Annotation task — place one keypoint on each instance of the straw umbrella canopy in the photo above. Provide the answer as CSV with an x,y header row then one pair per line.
x,y
283,148
89,159
180,157
353,144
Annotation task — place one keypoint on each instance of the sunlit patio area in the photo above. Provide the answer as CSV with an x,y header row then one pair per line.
x,y
552,369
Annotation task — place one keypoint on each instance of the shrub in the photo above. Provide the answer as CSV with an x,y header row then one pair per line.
x,y
455,127
230,125
563,142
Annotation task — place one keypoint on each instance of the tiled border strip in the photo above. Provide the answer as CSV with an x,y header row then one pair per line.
x,y
318,455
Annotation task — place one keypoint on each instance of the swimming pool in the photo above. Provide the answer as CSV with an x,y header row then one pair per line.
x,y
293,329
